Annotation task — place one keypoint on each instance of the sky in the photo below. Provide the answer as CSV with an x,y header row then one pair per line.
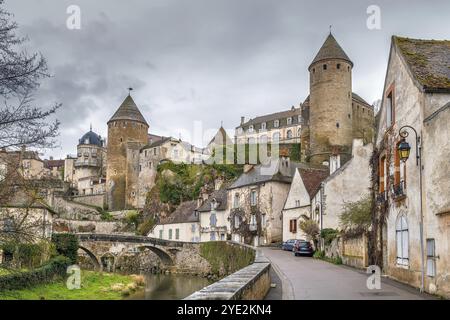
x,y
205,62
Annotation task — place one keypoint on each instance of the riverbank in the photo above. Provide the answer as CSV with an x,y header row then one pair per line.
x,y
94,286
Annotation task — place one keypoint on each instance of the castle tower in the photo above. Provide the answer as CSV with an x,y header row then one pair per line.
x,y
330,117
127,133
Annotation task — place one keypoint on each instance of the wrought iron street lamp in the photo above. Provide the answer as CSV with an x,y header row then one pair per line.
x,y
404,150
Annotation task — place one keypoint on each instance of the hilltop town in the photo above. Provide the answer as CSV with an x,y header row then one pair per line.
x,y
335,175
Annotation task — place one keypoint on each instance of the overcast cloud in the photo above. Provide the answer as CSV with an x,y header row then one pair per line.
x,y
205,60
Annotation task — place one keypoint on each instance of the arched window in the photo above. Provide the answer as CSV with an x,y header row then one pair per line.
x,y
402,238
289,134
276,137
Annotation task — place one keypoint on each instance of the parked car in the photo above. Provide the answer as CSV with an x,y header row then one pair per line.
x,y
288,245
302,247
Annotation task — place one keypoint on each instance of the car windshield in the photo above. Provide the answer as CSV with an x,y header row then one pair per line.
x,y
304,244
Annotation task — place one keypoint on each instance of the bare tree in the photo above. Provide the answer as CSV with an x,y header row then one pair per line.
x,y
22,123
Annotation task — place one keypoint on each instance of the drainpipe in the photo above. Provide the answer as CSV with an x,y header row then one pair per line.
x,y
322,190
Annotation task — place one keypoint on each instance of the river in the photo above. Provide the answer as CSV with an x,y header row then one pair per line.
x,y
169,287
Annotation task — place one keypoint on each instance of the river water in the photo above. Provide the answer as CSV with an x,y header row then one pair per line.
x,y
169,287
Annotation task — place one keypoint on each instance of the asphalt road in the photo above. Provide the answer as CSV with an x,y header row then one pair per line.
x,y
305,278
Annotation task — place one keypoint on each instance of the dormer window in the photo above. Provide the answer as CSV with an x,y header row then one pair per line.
x,y
263,126
289,121
250,128
276,123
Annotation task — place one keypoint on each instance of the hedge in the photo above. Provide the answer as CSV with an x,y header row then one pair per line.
x,y
66,245
54,268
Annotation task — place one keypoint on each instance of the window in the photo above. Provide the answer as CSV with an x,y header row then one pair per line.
x,y
289,120
253,220
289,134
213,220
314,70
402,238
324,67
382,174
263,220
160,234
297,203
253,198
263,139
175,153
293,225
338,66
276,123
154,151
431,258
170,234
177,234
251,140
389,110
212,236
250,128
236,200
276,137
237,222
263,126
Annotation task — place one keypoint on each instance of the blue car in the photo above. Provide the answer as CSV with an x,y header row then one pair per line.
x,y
288,245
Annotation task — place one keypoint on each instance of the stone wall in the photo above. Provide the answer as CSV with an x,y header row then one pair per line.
x,y
85,226
353,252
98,200
72,210
249,283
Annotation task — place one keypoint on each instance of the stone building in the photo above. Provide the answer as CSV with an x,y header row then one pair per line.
x,y
86,172
304,186
332,114
127,134
182,225
214,216
349,183
256,201
417,94
280,127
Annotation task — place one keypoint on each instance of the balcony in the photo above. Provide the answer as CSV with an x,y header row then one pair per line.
x,y
398,190
214,229
381,197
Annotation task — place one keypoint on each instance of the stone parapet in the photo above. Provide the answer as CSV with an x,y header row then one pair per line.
x,y
249,283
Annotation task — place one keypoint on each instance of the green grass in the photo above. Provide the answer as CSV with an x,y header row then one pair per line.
x,y
94,286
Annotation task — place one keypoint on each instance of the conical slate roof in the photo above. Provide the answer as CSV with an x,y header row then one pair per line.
x,y
331,50
128,110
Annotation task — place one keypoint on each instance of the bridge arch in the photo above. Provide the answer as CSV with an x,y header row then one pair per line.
x,y
163,255
93,257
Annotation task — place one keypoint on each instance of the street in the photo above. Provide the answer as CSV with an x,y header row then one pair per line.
x,y
305,278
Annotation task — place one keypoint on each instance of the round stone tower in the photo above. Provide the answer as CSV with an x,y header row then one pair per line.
x,y
330,117
127,133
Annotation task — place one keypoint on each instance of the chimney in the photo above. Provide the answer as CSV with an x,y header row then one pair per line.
x,y
51,157
247,167
242,120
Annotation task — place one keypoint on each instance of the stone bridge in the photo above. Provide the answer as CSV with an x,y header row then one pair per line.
x,y
106,251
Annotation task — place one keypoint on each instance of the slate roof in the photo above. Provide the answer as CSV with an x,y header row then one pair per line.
x,y
91,138
312,177
331,50
259,174
293,112
221,197
185,213
428,61
128,110
53,163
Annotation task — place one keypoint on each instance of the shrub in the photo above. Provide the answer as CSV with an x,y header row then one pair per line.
x,y
145,227
319,254
46,273
66,244
328,235
28,255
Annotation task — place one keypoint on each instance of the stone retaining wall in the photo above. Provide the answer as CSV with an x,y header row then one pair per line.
x,y
249,283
